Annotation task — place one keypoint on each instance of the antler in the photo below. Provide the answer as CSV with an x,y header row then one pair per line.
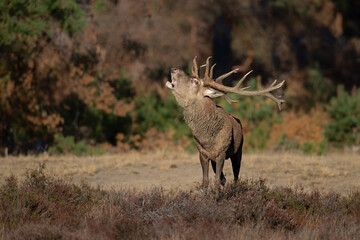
x,y
195,71
217,84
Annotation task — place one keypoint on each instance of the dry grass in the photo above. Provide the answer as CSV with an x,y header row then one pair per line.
x,y
337,172
45,207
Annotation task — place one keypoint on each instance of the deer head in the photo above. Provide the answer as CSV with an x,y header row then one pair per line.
x,y
187,88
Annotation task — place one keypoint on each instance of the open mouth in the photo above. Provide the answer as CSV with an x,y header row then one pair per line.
x,y
171,84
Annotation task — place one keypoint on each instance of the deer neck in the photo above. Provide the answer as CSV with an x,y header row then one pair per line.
x,y
203,119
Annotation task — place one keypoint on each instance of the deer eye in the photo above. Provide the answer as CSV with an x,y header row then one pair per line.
x,y
196,81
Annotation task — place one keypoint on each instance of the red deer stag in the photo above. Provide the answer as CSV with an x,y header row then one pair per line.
x,y
218,134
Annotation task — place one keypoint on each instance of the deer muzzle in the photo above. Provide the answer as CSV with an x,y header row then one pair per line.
x,y
171,84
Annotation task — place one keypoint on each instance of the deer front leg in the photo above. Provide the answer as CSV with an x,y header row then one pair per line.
x,y
205,168
222,177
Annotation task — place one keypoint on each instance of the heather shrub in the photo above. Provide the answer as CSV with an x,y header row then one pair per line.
x,y
41,206
43,199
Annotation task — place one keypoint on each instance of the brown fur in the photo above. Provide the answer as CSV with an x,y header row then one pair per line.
x,y
218,134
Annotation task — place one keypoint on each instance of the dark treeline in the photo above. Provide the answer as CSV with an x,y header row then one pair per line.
x,y
74,74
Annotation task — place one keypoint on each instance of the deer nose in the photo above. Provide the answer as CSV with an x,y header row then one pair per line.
x,y
174,70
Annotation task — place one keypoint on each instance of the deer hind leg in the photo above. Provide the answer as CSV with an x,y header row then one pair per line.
x,y
236,163
215,167
205,169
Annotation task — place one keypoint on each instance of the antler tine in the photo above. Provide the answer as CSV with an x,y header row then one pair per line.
x,y
211,71
195,71
229,100
242,79
207,68
274,82
222,77
217,84
262,92
275,99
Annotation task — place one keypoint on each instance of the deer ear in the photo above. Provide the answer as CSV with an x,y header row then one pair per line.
x,y
212,93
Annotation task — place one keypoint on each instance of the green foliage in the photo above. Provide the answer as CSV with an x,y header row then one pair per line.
x,y
320,89
322,148
285,143
100,125
104,126
292,6
122,87
308,148
312,148
153,112
68,13
21,19
99,5
343,127
66,145
259,136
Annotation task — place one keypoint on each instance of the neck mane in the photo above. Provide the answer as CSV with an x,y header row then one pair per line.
x,y
203,119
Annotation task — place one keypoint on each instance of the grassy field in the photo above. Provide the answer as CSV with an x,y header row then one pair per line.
x,y
333,172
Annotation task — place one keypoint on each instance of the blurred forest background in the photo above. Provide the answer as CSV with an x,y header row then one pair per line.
x,y
88,76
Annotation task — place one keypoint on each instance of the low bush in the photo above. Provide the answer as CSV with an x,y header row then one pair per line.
x,y
42,206
320,148
159,122
301,130
152,111
343,127
67,145
320,88
42,200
